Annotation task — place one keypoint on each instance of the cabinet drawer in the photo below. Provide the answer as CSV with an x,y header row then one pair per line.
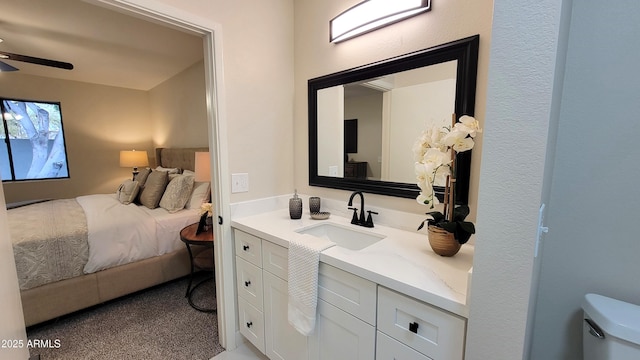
x,y
248,247
427,329
275,259
249,282
390,349
251,324
348,292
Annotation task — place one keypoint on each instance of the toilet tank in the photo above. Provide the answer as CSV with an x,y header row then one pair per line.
x,y
611,329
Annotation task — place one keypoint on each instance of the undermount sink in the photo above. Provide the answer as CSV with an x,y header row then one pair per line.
x,y
348,237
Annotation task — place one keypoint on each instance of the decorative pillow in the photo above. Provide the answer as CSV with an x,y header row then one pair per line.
x,y
169,170
128,191
142,175
177,193
154,188
188,172
200,194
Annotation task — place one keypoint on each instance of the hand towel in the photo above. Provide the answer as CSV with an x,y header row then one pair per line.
x,y
304,258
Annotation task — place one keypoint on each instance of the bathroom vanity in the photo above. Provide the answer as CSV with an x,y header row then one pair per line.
x,y
392,299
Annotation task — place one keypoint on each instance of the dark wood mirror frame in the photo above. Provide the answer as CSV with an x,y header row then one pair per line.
x,y
465,51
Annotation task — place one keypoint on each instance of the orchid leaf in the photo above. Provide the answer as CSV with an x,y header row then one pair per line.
x,y
460,213
461,230
436,215
467,227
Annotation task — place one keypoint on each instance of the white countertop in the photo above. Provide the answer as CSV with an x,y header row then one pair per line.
x,y
402,261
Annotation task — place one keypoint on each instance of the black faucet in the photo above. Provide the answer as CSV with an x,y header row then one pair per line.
x,y
360,220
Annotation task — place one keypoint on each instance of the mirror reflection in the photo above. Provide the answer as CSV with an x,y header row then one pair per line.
x,y
363,122
380,119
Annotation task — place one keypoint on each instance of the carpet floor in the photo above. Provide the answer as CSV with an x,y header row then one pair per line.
x,y
156,323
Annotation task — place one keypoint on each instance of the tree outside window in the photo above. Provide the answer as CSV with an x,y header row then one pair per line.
x,y
34,146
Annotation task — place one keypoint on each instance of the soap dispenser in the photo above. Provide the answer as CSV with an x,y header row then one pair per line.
x,y
295,206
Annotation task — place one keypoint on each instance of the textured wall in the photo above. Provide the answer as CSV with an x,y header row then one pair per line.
x,y
592,245
519,108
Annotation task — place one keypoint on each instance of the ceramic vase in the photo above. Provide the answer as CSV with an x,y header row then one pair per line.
x,y
442,242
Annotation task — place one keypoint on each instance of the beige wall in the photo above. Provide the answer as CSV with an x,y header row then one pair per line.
x,y
315,56
178,110
98,122
257,51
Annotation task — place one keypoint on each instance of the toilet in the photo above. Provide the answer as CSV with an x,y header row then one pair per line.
x,y
610,329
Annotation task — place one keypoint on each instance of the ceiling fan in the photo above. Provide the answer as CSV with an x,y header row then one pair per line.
x,y
30,59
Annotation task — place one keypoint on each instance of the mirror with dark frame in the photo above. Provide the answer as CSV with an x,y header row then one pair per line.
x,y
380,110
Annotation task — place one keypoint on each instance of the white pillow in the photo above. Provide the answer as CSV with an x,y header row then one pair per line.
x,y
127,191
188,172
169,170
200,194
177,193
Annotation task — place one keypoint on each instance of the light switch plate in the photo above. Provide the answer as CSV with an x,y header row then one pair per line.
x,y
239,182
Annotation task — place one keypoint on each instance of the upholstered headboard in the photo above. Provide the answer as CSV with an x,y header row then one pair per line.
x,y
183,158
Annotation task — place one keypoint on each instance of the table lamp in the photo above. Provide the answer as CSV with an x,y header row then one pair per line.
x,y
132,158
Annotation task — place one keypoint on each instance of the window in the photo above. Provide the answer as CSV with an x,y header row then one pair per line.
x,y
34,146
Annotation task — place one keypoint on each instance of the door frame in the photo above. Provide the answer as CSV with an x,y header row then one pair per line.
x,y
211,33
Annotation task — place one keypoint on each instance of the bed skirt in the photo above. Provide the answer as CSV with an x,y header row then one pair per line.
x,y
52,300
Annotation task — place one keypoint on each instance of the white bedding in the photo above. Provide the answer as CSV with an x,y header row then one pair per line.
x,y
120,234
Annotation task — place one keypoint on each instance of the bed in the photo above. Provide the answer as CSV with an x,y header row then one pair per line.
x,y
91,249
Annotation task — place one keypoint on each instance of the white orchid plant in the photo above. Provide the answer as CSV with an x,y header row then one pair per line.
x,y
434,153
206,208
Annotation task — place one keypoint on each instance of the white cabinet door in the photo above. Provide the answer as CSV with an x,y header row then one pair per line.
x,y
282,340
339,335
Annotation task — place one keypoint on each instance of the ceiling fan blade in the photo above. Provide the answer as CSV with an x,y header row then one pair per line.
x,y
6,67
36,60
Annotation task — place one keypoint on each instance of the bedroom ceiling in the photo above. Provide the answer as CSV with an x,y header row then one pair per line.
x,y
105,47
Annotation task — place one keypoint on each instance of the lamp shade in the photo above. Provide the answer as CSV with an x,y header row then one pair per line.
x,y
132,158
202,167
373,14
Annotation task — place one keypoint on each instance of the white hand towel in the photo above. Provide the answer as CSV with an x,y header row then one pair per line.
x,y
304,257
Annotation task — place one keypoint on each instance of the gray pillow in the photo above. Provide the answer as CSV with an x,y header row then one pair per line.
x,y
141,177
177,193
154,188
128,191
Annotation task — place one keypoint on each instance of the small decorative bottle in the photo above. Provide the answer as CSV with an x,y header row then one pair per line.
x,y
295,206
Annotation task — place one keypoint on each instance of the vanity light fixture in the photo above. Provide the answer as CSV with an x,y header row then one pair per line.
x,y
373,14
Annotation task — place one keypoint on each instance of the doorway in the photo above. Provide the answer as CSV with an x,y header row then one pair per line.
x,y
212,44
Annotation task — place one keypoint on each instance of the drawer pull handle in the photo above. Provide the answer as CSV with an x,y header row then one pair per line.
x,y
413,327
249,324
245,247
247,283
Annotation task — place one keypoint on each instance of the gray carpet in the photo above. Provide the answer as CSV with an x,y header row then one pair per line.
x,y
157,323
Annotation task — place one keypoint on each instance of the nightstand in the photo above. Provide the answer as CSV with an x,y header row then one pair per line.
x,y
202,260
